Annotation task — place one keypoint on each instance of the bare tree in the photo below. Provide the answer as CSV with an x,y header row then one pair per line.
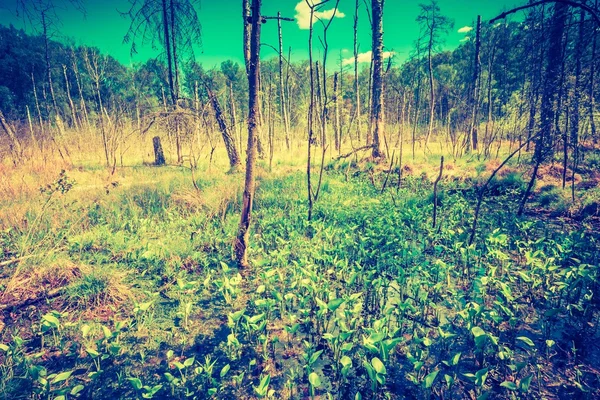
x,y
174,24
94,63
433,26
356,83
474,122
284,114
228,138
544,141
243,236
576,100
377,116
313,195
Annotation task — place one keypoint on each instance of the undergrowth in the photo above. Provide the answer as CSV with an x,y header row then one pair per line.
x,y
374,303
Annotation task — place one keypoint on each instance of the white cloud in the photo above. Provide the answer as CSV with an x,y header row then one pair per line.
x,y
303,15
365,57
465,29
465,39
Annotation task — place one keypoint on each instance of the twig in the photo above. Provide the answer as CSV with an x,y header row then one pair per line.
x,y
387,177
435,194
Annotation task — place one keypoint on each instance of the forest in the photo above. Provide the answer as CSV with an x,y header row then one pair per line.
x,y
300,222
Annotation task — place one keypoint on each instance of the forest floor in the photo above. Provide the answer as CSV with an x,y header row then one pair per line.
x,y
123,287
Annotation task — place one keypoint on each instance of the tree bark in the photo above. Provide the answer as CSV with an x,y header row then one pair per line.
x,y
243,237
337,129
431,88
159,155
377,115
246,39
356,83
283,108
576,100
228,138
475,92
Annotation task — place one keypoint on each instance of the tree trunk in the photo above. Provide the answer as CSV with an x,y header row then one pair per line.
x,y
174,52
472,141
283,109
159,155
80,91
243,237
591,88
167,40
228,138
488,138
356,84
431,89
37,107
75,122
246,39
576,99
47,59
310,122
270,122
377,91
31,131
543,145
337,129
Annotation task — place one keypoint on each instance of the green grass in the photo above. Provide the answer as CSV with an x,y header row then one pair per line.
x,y
373,301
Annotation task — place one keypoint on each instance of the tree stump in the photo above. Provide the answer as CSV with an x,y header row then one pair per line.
x,y
159,156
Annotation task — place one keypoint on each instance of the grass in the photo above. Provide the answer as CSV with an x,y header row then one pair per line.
x,y
373,302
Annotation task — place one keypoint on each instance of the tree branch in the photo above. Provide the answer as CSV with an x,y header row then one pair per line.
x,y
593,12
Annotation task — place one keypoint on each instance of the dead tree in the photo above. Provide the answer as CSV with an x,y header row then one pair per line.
x,y
377,116
95,68
472,139
356,83
282,105
159,155
434,26
228,138
337,128
243,236
74,121
544,142
576,99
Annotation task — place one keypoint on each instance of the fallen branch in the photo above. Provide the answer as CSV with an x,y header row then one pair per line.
x,y
19,304
370,146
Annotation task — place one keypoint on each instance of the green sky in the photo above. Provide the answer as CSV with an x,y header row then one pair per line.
x,y
102,26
